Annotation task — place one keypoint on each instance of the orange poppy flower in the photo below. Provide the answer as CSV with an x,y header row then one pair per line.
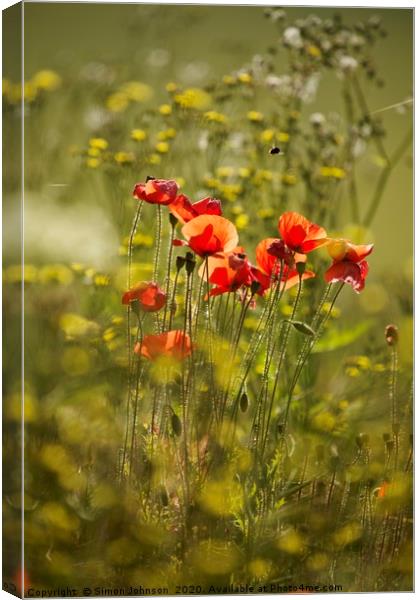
x,y
348,265
171,344
184,210
148,294
300,234
228,272
156,191
209,234
270,265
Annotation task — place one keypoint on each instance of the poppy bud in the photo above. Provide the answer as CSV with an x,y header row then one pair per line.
x,y
180,262
176,424
300,268
386,437
303,327
389,446
280,428
172,220
190,265
391,335
255,286
244,402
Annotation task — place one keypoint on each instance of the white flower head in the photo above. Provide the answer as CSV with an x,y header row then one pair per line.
x,y
292,37
317,119
347,64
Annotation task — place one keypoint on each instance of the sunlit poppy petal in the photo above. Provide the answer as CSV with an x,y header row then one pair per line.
x,y
300,234
172,344
348,272
340,249
185,211
209,234
148,294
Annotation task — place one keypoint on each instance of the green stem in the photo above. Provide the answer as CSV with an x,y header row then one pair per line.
x,y
383,179
307,349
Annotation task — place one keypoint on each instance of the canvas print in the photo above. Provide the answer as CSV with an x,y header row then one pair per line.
x,y
207,299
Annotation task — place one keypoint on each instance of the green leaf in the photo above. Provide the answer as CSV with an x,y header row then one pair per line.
x,y
339,338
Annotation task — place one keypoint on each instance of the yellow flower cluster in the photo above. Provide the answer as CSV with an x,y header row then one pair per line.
x,y
43,81
95,152
193,98
130,92
215,117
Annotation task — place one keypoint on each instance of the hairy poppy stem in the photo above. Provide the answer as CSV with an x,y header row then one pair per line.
x,y
307,347
129,348
168,275
283,347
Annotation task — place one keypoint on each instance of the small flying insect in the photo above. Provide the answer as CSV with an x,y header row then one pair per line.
x,y
275,150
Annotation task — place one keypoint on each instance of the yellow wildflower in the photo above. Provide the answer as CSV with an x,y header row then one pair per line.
x,y
162,147
244,172
154,159
245,78
225,171
165,109
193,98
267,136
282,137
139,135
242,221
215,116
333,172
93,163
255,116
124,157
99,143
171,87
46,80
95,152
289,179
313,51
117,102
137,91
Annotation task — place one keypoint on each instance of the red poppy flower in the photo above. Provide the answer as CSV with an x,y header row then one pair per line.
x,y
208,235
171,344
349,272
349,265
184,210
300,234
228,272
269,264
156,191
344,250
149,295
